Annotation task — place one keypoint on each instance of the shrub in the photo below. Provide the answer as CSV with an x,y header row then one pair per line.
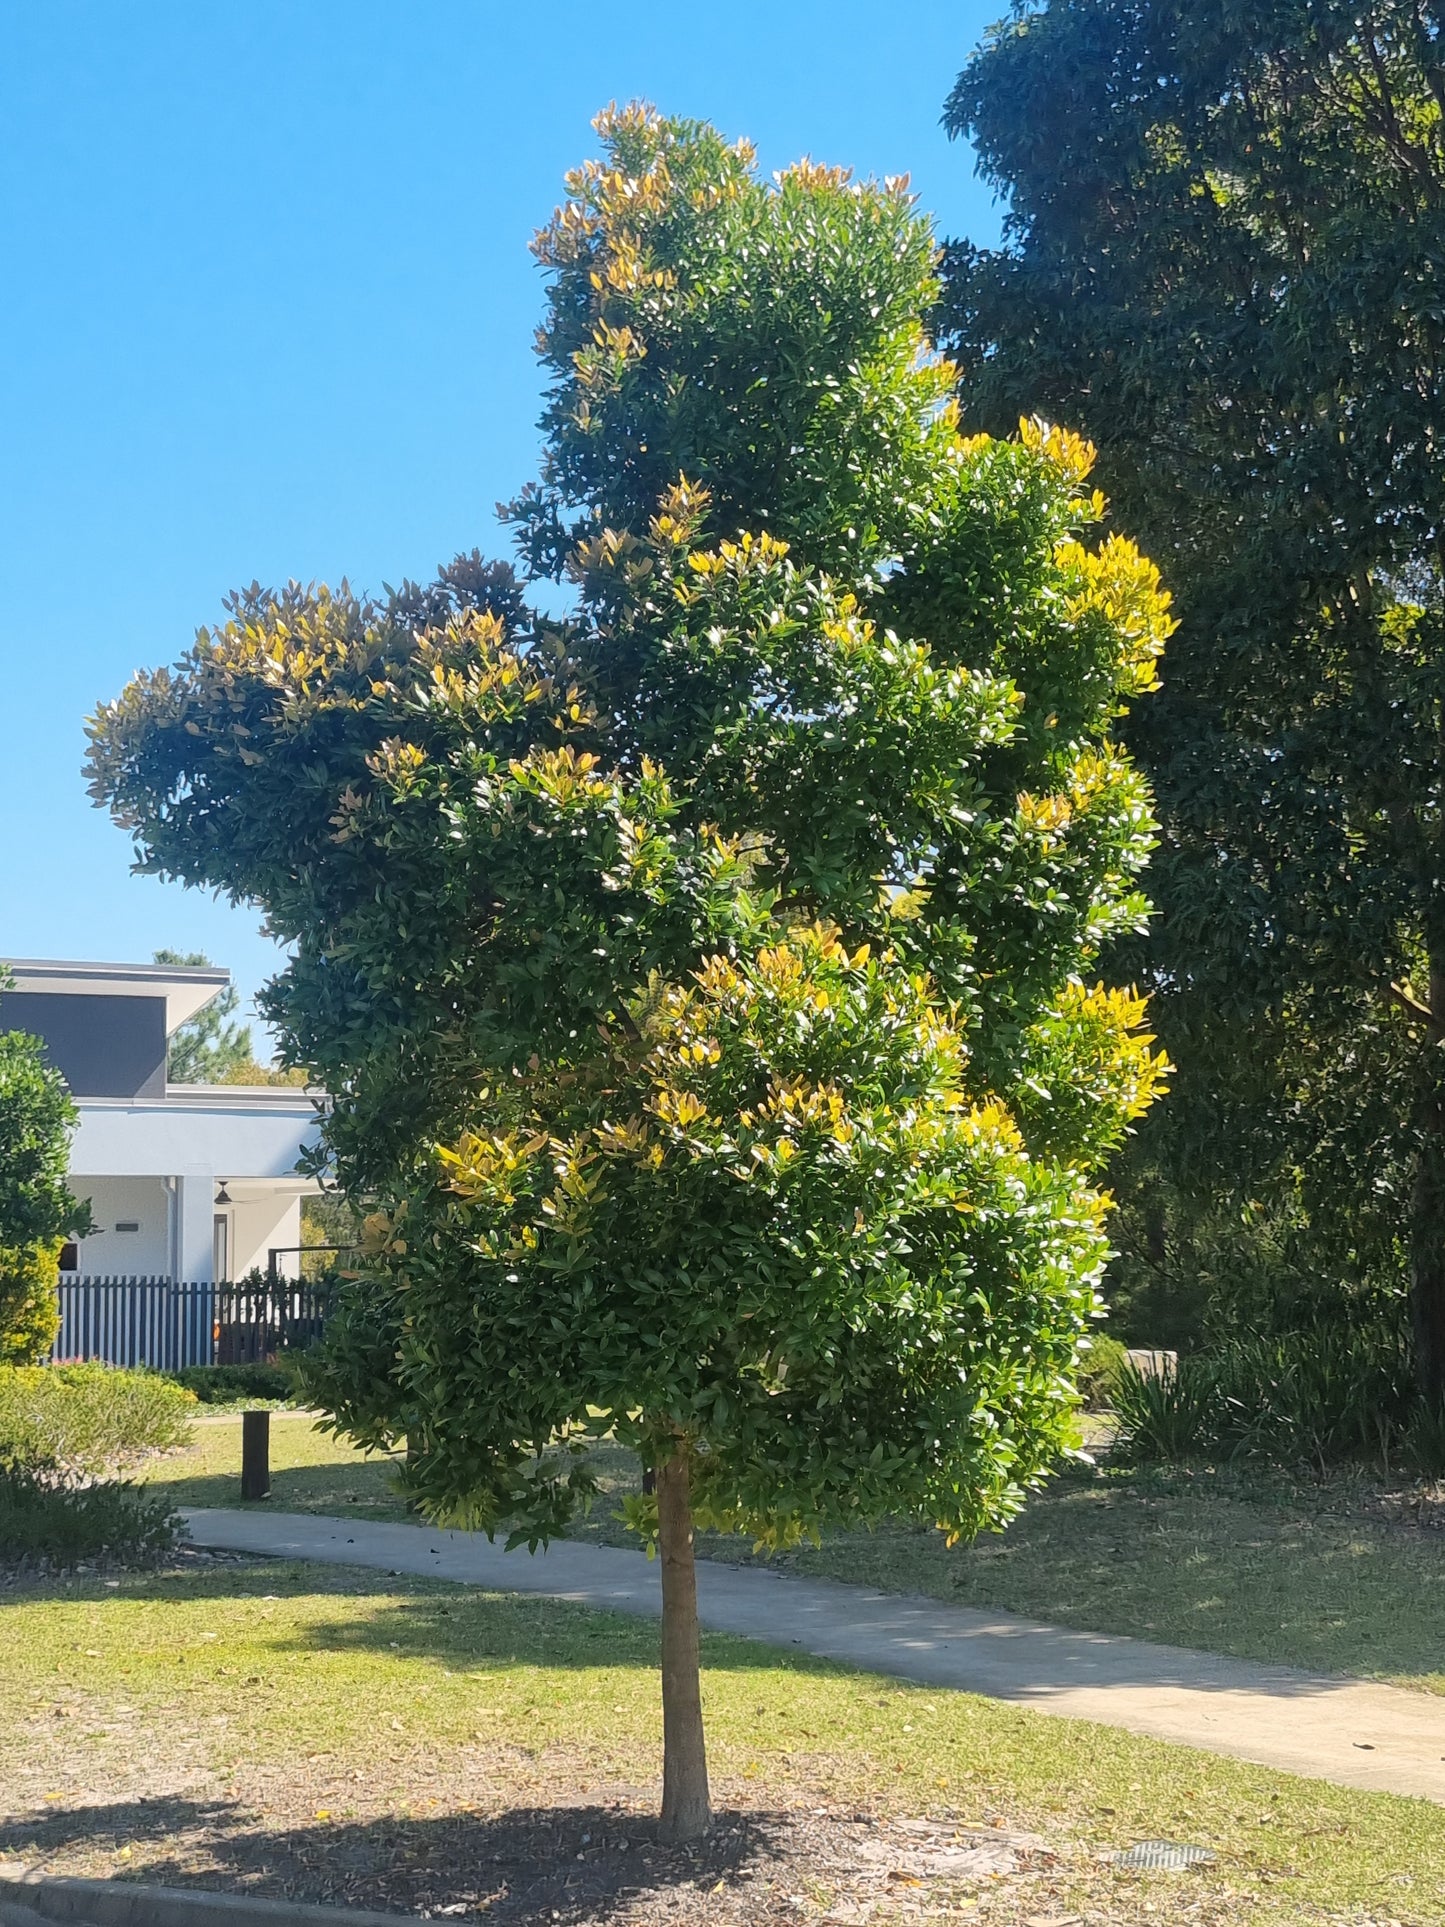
x,y
1424,1443
61,1524
29,1300
37,1211
1173,1414
1097,1369
223,1384
71,1423
1326,1395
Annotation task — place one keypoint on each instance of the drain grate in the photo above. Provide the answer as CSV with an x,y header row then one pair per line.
x,y
1162,1856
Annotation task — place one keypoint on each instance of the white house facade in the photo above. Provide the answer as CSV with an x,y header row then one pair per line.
x,y
186,1182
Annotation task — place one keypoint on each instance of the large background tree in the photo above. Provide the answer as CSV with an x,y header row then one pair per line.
x,y
1223,260
704,981
209,1048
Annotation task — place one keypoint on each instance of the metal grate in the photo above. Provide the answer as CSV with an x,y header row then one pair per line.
x,y
1162,1856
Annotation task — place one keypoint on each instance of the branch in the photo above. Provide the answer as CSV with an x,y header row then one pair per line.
x,y
1411,1004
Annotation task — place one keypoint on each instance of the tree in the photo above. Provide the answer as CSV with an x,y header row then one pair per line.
x,y
701,979
1223,261
207,1049
37,1210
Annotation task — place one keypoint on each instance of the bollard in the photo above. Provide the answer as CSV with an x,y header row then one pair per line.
x,y
255,1455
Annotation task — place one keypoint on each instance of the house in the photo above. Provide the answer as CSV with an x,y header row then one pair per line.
x,y
186,1182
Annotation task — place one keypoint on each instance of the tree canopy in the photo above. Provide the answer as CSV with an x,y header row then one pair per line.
x,y
1223,261
706,981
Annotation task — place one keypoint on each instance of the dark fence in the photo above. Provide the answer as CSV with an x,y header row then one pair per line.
x,y
167,1325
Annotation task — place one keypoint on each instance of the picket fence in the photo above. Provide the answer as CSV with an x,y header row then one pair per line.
x,y
168,1324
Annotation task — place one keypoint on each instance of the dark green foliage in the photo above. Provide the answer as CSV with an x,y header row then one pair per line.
x,y
1424,1445
62,1525
227,1384
1323,1396
1168,1415
1192,1273
1223,262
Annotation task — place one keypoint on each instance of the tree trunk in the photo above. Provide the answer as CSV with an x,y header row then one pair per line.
x,y
1427,1249
1427,1206
686,1804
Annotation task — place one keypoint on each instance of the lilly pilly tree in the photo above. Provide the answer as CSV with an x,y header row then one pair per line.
x,y
703,981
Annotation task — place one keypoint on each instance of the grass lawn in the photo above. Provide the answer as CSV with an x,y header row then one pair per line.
x,y
1227,1561
310,1472
335,1735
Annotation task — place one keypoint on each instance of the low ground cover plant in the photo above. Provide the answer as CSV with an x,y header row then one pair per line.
x,y
60,1525
69,1436
83,1422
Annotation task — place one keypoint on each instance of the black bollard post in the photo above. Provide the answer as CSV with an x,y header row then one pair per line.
x,y
255,1455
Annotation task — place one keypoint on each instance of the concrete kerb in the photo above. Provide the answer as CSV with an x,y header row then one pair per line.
x,y
1357,1733
39,1900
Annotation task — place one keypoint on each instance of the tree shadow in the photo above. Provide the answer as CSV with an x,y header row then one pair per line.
x,y
365,1487
563,1866
461,1631
405,1616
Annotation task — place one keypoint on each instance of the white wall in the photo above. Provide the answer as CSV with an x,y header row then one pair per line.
x,y
123,1154
256,1225
195,1133
128,1254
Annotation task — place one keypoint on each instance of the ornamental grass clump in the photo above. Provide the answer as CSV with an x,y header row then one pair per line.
x,y
76,1423
708,982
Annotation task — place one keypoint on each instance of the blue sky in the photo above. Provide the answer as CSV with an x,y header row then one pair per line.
x,y
269,313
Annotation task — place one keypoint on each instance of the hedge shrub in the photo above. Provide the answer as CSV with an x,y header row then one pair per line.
x,y
29,1300
222,1384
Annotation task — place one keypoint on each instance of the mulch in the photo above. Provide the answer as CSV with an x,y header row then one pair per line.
x,y
577,1866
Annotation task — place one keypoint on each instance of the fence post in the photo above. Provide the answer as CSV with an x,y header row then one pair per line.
x,y
255,1455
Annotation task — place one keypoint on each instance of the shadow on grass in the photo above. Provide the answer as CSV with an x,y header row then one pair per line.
x,y
573,1864
363,1490
395,1616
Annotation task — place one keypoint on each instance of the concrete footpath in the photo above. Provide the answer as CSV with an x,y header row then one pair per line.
x,y
1381,1738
